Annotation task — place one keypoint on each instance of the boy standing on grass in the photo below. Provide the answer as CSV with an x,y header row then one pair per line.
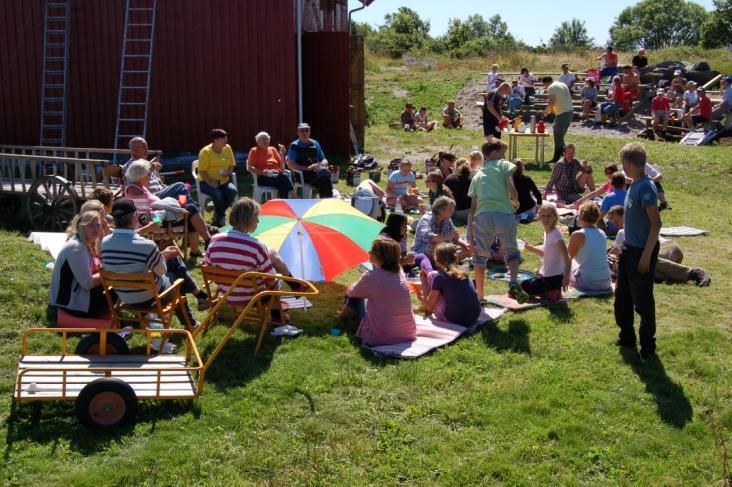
x,y
637,261
493,202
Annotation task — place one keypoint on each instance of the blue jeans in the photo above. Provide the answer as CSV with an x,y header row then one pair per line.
x,y
223,196
610,107
281,181
609,71
358,305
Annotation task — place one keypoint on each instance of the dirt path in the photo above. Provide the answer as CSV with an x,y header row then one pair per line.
x,y
465,102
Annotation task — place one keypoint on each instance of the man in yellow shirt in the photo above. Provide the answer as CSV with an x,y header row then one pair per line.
x,y
560,104
215,165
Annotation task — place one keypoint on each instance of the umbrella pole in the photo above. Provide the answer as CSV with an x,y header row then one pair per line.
x,y
302,254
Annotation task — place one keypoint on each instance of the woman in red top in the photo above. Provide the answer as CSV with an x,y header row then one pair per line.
x,y
269,166
609,108
700,113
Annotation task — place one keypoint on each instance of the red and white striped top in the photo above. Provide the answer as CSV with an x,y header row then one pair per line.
x,y
237,250
142,198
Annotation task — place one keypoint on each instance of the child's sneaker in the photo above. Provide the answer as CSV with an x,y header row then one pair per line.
x,y
516,292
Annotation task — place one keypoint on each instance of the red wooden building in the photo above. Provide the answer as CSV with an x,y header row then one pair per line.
x,y
215,63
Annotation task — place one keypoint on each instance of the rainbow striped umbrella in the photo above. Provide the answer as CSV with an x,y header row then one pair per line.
x,y
318,239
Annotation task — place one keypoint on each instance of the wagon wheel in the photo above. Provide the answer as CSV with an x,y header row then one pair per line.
x,y
52,203
9,205
106,403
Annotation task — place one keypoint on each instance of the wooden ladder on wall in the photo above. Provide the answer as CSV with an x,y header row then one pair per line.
x,y
135,69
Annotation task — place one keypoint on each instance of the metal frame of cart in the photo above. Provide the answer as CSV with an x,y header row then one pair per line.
x,y
106,387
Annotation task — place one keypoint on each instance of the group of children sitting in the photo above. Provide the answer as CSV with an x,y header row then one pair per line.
x,y
419,121
381,302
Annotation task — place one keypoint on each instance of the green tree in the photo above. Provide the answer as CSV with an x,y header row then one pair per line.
x,y
402,31
570,35
717,30
655,25
362,28
475,36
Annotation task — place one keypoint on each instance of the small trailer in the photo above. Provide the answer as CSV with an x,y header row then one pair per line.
x,y
107,386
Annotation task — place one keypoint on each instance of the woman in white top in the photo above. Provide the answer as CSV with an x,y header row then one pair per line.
x,y
590,270
691,97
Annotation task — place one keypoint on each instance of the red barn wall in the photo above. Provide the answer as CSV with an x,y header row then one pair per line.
x,y
326,82
217,63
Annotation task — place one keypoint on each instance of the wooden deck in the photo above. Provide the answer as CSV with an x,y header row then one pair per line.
x,y
64,376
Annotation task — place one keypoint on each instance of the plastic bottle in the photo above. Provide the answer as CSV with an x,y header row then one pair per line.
x,y
540,127
398,206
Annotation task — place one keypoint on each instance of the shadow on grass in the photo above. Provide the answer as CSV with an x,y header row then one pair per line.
x,y
514,339
52,422
673,406
561,312
236,365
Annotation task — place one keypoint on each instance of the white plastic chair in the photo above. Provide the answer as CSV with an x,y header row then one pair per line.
x,y
259,191
298,181
204,199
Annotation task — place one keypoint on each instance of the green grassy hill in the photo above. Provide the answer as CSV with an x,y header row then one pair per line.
x,y
539,398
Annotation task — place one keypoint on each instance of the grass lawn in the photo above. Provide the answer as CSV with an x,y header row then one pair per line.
x,y
541,397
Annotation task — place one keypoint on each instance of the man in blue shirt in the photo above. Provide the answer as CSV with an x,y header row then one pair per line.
x,y
637,260
306,155
615,197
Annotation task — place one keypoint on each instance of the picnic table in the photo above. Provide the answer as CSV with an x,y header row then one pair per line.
x,y
538,139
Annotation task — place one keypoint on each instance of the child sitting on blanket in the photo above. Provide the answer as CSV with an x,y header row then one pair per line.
x,y
396,227
590,272
381,299
554,274
448,292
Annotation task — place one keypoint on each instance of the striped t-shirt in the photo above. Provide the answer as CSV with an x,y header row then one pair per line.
x,y
126,252
237,250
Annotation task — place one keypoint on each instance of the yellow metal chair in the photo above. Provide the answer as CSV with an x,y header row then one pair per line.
x,y
166,302
259,309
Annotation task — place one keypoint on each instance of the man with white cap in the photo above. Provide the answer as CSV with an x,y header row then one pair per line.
x,y
306,155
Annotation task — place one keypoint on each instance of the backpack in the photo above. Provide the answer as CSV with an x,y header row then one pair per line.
x,y
368,203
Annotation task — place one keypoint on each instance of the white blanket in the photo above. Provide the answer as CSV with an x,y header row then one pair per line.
x,y
51,242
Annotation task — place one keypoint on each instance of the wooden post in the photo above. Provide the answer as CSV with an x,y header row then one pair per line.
x,y
358,111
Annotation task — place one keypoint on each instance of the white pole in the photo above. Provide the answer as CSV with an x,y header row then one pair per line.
x,y
298,18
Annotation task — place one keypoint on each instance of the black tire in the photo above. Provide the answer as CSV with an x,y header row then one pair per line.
x,y
106,403
89,345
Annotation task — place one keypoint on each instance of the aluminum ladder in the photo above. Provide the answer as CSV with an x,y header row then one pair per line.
x,y
55,72
135,68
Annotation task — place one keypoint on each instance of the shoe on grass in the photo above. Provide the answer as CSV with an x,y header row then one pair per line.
x,y
204,304
516,292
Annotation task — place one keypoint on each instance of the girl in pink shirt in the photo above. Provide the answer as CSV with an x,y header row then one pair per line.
x,y
388,316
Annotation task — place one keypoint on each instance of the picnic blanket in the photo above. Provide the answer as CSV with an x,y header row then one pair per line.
x,y
503,275
505,301
431,334
51,242
682,231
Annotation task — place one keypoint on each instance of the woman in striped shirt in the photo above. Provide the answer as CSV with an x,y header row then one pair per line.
x,y
238,250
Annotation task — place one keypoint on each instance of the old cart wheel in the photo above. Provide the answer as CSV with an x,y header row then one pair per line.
x,y
10,205
52,203
89,345
106,403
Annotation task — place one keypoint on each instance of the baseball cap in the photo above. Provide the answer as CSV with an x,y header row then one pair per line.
x,y
728,79
677,72
123,207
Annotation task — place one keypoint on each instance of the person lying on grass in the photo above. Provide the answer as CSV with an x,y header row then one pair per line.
x,y
448,292
668,267
380,299
554,275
